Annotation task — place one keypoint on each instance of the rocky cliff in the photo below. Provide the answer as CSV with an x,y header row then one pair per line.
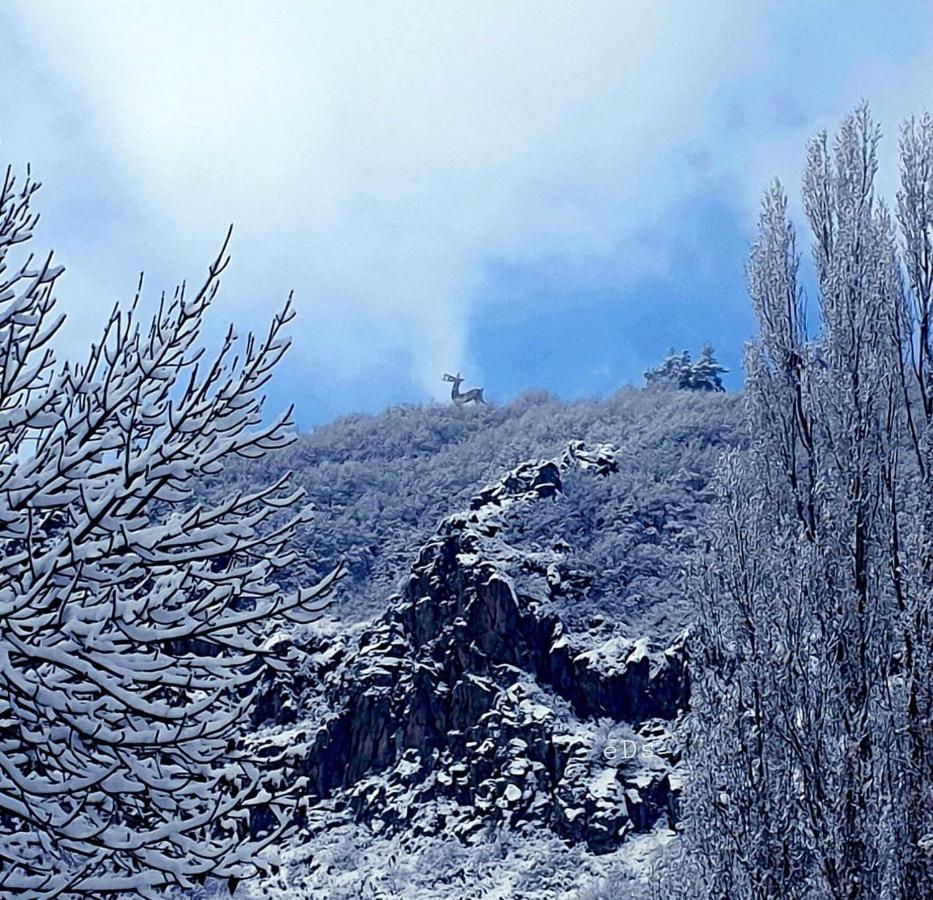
x,y
470,703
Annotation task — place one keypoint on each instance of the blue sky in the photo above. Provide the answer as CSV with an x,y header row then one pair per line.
x,y
537,194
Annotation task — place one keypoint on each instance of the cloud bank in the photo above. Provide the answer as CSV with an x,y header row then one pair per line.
x,y
378,158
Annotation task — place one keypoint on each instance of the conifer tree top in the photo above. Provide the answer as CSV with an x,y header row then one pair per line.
x,y
679,372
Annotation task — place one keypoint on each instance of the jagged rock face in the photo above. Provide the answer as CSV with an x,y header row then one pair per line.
x,y
468,703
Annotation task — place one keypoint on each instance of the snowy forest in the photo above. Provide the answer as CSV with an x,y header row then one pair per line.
x,y
673,642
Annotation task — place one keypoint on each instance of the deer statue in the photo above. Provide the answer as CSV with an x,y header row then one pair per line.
x,y
474,394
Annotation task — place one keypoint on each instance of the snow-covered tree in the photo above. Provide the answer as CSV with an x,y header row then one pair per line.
x,y
679,372
810,746
669,372
704,373
132,616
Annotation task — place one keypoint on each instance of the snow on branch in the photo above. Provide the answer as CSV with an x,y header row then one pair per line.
x,y
132,616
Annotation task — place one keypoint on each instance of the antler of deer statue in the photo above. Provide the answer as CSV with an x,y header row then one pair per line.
x,y
474,394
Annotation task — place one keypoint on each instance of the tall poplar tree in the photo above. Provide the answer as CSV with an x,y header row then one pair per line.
x,y
809,743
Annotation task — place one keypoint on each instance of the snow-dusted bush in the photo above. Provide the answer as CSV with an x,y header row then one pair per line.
x,y
348,861
131,614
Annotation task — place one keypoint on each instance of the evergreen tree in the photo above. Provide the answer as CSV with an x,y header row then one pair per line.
x,y
704,374
678,372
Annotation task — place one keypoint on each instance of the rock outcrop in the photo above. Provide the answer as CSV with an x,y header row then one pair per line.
x,y
468,703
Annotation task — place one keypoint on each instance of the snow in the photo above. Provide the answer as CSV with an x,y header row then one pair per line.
x,y
606,785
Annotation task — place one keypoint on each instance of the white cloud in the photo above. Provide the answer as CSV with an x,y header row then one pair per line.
x,y
377,156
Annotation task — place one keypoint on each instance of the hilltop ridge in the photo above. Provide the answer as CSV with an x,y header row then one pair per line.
x,y
535,634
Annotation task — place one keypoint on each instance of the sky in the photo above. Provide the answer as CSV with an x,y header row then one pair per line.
x,y
535,194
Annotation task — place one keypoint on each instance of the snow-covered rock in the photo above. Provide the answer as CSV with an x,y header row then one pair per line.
x,y
469,703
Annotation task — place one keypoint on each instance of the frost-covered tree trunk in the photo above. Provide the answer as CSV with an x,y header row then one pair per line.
x,y
809,740
132,617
